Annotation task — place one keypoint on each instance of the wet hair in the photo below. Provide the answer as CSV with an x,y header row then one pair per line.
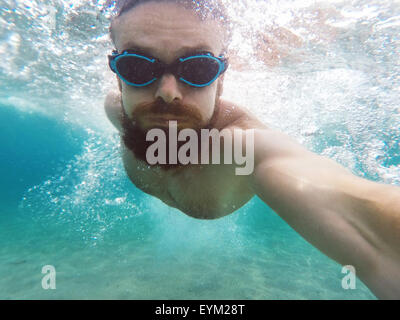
x,y
205,9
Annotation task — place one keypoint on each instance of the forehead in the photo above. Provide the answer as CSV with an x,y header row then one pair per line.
x,y
166,30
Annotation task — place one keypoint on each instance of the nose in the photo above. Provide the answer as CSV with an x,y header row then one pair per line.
x,y
168,89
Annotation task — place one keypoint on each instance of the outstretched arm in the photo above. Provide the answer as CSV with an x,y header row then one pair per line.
x,y
352,220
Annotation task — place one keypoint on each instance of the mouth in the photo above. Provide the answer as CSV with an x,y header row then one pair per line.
x,y
169,117
158,120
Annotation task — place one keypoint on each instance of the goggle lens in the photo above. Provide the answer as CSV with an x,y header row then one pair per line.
x,y
199,71
135,70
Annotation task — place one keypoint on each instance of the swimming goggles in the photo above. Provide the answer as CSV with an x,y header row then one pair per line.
x,y
199,70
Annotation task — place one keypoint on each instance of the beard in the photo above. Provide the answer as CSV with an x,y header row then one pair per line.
x,y
135,131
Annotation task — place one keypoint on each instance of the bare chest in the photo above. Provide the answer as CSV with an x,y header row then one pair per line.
x,y
200,191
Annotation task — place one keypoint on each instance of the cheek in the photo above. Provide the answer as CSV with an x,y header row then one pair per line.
x,y
132,97
206,101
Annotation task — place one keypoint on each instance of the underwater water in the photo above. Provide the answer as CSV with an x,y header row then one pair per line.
x,y
327,73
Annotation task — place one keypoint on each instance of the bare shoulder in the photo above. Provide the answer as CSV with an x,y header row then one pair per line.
x,y
232,115
270,143
113,108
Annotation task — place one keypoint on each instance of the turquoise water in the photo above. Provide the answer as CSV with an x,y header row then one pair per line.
x,y
66,201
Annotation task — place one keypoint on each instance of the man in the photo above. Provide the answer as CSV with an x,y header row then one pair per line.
x,y
159,48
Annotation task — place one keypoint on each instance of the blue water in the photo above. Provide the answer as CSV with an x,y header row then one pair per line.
x,y
148,251
66,201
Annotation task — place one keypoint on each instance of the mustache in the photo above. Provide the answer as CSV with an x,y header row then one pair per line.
x,y
160,107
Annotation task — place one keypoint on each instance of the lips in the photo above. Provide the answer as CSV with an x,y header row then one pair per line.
x,y
159,119
163,120
163,117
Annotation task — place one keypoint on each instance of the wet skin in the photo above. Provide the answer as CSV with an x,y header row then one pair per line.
x,y
167,33
188,187
352,220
